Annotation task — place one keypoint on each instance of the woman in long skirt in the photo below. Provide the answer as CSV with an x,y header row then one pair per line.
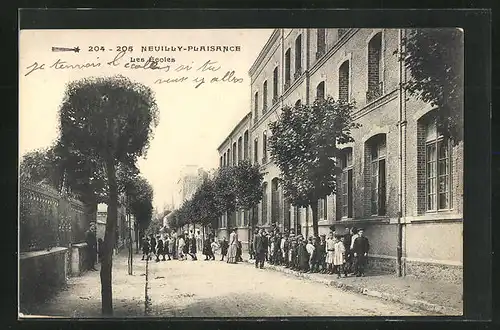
x,y
233,247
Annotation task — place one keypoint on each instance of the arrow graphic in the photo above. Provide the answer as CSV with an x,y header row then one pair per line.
x,y
66,49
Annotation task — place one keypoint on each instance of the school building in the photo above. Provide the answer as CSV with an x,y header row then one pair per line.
x,y
401,181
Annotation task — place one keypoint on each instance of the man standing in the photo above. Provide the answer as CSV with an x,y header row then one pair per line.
x,y
90,238
361,246
259,247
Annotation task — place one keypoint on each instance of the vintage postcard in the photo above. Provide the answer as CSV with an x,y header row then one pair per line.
x,y
241,172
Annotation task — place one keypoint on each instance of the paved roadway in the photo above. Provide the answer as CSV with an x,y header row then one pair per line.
x,y
217,289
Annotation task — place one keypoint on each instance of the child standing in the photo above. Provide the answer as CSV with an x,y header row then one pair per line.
x,y
330,249
145,248
321,256
311,251
213,247
339,256
224,246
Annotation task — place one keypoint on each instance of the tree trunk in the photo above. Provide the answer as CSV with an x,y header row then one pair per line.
x,y
109,242
314,207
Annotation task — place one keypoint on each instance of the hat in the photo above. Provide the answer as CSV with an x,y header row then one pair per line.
x,y
360,229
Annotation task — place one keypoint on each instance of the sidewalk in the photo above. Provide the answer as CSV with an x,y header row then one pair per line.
x,y
82,296
436,297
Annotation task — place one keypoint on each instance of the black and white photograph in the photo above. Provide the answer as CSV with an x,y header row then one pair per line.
x,y
236,173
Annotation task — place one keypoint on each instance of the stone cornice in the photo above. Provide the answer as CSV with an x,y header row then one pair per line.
x,y
235,129
265,50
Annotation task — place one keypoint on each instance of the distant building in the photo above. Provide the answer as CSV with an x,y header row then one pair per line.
x,y
191,178
121,225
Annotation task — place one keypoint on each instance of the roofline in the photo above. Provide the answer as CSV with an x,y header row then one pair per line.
x,y
264,51
247,116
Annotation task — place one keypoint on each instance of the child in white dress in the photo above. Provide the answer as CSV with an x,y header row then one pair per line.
x,y
339,256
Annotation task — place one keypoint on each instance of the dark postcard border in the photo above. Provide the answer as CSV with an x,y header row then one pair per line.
x,y
477,245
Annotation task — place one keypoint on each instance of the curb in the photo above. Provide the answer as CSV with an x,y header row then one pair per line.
x,y
420,304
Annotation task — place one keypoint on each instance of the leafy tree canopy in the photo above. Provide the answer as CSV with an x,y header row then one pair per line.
x,y
304,145
435,59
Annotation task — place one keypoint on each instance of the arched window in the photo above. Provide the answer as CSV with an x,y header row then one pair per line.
x,y
264,147
288,64
235,157
320,91
240,149
220,162
264,97
245,145
275,203
375,85
298,56
256,151
264,203
298,103
275,85
344,82
346,183
320,42
433,155
256,105
375,167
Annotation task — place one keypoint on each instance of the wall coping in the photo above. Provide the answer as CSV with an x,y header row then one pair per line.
x,y
435,217
79,245
35,254
434,262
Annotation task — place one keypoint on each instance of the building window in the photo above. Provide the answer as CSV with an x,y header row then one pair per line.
x,y
344,82
264,147
225,159
375,85
275,203
298,103
320,42
275,85
234,154
298,56
298,220
320,91
437,170
220,162
245,145
229,157
376,149
325,208
346,183
256,105
264,97
288,63
256,151
264,203
240,146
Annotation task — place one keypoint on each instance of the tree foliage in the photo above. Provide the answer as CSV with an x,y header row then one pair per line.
x,y
304,145
139,193
435,59
42,166
106,123
248,181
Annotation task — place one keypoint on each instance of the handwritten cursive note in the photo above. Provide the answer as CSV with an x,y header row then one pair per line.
x,y
165,70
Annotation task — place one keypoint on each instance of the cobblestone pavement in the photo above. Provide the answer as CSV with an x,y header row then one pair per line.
x,y
217,289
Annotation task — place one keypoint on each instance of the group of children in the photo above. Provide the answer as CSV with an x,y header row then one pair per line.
x,y
210,246
338,254
172,246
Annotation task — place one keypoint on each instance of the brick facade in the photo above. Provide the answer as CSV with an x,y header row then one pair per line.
x,y
360,65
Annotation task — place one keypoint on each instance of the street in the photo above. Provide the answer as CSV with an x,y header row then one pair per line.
x,y
217,289
211,289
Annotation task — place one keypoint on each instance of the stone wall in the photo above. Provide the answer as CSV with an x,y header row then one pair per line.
x,y
41,275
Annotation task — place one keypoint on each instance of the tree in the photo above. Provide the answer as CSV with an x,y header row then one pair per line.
x,y
248,188
435,60
109,121
42,165
139,193
225,195
304,145
206,210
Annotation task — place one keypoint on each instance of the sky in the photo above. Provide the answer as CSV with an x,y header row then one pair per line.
x,y
193,121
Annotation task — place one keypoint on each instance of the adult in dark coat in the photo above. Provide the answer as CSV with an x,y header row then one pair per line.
x,y
145,247
207,249
259,247
224,245
239,251
152,241
159,249
360,250
303,256
91,240
192,247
